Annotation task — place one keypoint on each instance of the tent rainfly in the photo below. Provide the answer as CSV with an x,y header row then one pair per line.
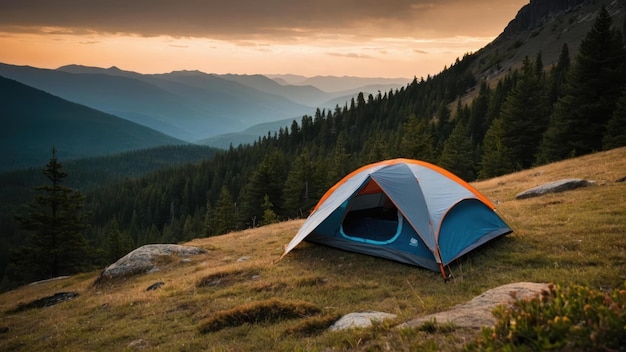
x,y
405,210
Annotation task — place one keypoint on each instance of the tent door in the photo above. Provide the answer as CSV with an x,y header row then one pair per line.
x,y
371,218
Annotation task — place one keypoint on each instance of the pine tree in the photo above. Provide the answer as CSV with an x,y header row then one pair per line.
x,y
56,222
269,216
478,114
615,135
593,86
375,149
525,115
118,245
208,221
496,159
225,213
558,74
267,179
298,187
457,155
417,140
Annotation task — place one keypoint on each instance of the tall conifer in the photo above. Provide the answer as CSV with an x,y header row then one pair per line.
x,y
56,221
593,86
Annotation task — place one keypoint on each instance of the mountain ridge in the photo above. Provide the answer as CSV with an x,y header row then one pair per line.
x,y
34,121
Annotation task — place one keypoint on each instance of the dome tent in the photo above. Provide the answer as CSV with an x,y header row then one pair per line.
x,y
405,210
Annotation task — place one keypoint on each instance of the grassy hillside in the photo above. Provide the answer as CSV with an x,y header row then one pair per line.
x,y
571,237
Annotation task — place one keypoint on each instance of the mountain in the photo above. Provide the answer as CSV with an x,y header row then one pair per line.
x,y
188,105
306,95
319,92
34,121
239,96
339,84
542,27
247,136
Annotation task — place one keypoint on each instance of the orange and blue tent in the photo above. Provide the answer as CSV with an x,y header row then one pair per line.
x,y
405,210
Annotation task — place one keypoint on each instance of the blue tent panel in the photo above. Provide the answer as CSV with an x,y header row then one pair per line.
x,y
466,226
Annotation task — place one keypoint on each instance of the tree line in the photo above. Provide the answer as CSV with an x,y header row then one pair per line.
x,y
534,115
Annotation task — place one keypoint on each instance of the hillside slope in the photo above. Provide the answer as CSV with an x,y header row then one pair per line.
x,y
542,27
34,121
570,237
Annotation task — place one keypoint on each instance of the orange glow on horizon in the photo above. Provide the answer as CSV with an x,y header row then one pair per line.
x,y
379,57
398,39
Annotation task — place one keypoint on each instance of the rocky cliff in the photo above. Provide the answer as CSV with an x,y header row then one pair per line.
x,y
538,12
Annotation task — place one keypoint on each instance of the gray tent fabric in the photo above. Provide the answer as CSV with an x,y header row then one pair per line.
x,y
399,184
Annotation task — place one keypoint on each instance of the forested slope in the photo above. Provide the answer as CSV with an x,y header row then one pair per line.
x,y
533,115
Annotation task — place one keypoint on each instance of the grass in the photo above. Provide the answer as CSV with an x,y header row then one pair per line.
x,y
237,297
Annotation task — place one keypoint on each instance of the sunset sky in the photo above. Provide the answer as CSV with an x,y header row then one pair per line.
x,y
367,38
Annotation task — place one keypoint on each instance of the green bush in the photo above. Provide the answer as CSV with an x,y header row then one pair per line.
x,y
562,318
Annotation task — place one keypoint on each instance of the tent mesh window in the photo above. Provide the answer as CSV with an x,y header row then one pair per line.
x,y
371,217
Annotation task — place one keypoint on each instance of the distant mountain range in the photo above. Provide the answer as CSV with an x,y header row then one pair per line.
x,y
33,122
192,105
91,111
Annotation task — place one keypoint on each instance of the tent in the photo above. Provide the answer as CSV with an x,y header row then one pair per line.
x,y
405,210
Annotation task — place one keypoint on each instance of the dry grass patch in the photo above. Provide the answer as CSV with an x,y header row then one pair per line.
x,y
313,325
228,278
264,312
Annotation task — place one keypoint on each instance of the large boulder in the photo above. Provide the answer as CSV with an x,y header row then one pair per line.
x,y
554,187
144,260
477,312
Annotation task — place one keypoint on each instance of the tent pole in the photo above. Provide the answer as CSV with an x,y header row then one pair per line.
x,y
443,272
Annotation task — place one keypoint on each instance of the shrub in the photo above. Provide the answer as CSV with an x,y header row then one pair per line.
x,y
561,318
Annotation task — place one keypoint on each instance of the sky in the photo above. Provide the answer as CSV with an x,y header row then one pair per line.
x,y
364,38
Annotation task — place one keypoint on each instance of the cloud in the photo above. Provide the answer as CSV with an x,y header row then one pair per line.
x,y
280,20
350,55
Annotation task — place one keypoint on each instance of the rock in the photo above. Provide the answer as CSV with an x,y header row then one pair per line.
x,y
360,320
46,301
554,187
155,286
142,260
138,344
48,280
477,312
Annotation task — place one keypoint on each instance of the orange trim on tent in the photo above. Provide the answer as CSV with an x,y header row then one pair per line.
x,y
442,171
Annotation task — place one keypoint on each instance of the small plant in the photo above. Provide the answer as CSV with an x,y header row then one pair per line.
x,y
561,318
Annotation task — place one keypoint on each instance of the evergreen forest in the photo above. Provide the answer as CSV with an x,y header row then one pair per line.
x,y
534,115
